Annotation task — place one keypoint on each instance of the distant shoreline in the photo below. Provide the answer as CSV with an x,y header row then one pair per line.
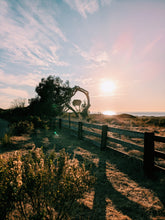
x,y
155,114
145,114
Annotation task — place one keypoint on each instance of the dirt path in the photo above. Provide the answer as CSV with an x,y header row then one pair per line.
x,y
121,190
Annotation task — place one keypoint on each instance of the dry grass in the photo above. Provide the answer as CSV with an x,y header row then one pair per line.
x,y
134,123
121,190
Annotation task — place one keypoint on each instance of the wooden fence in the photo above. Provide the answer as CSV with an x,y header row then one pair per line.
x,y
99,135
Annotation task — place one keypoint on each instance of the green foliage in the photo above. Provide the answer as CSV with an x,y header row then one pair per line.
x,y
21,127
39,186
53,94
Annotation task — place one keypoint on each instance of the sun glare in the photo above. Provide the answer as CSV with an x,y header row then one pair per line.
x,y
108,87
109,113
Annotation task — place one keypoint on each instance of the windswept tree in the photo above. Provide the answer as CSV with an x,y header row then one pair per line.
x,y
53,95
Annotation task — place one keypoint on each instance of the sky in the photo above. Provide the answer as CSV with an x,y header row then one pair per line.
x,y
114,49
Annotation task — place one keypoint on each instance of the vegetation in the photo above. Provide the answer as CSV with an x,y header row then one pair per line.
x,y
128,121
18,103
53,94
39,186
6,141
21,127
39,122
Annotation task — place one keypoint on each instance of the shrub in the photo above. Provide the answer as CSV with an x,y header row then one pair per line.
x,y
6,142
39,186
22,127
38,122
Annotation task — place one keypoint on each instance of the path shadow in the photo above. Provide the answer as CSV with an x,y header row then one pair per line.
x,y
134,169
105,191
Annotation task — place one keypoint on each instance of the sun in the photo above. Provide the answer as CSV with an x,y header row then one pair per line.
x,y
108,87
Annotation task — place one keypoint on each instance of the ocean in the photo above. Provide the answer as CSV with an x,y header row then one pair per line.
x,y
155,114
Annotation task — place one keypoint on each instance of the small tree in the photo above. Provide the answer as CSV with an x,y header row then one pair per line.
x,y
52,96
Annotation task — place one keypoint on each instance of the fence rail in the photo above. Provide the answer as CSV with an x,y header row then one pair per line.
x,y
126,132
92,125
91,133
159,139
86,131
126,144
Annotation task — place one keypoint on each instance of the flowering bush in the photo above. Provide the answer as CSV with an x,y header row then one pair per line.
x,y
39,186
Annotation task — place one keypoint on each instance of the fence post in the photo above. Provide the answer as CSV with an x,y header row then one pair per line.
x,y
60,123
80,130
104,137
148,153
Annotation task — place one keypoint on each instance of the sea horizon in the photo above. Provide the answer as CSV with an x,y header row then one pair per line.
x,y
154,114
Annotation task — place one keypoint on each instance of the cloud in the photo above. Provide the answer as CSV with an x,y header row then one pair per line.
x,y
30,79
94,57
85,81
30,34
106,2
85,7
14,92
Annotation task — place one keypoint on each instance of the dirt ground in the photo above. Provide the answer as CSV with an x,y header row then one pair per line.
x,y
121,191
